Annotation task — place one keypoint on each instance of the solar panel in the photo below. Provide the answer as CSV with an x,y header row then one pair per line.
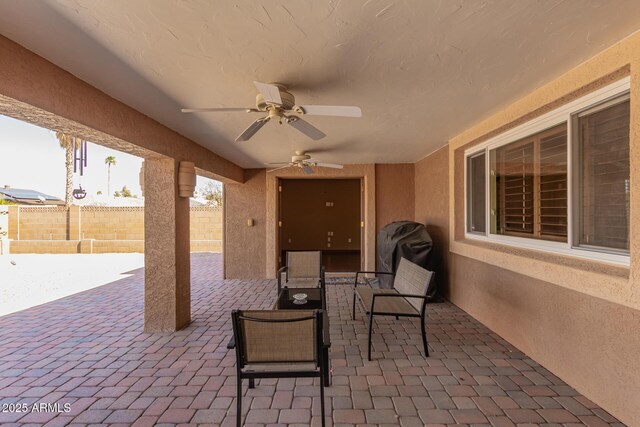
x,y
19,193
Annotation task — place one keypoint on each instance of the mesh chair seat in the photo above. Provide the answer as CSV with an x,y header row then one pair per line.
x,y
384,305
301,283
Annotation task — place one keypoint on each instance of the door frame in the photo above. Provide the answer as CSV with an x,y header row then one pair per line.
x,y
364,172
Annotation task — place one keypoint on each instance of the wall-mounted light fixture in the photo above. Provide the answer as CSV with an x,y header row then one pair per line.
x,y
186,179
250,222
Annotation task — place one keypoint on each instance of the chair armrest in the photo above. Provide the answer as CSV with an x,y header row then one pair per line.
x,y
370,272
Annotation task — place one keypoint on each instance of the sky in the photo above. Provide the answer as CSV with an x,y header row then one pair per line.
x,y
31,158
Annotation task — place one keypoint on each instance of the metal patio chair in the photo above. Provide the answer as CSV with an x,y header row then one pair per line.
x,y
408,298
303,270
278,344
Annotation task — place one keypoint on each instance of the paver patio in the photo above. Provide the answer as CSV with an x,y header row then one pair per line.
x,y
89,350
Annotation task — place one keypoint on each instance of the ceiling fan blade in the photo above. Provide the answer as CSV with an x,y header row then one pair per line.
x,y
215,110
270,93
329,110
306,128
278,163
252,129
277,169
330,165
307,169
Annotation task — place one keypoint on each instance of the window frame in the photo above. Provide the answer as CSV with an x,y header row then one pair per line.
x,y
566,114
576,155
467,219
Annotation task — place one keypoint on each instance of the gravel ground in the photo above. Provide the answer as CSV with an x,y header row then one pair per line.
x,y
33,279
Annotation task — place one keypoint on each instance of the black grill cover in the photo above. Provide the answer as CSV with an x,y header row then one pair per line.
x,y
406,239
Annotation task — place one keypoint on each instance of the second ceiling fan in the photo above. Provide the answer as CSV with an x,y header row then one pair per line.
x,y
303,161
280,105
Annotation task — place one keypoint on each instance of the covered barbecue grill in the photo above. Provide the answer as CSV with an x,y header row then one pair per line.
x,y
403,239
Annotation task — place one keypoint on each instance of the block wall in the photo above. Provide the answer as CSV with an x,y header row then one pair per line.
x,y
44,229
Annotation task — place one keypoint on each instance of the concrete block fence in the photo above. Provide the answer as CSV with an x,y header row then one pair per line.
x,y
97,229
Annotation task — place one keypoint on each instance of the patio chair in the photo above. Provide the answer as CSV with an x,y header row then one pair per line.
x,y
303,270
408,298
278,344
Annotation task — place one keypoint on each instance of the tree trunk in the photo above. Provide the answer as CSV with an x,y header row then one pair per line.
x,y
109,180
69,184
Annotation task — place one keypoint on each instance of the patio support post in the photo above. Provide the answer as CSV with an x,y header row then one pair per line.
x,y
167,286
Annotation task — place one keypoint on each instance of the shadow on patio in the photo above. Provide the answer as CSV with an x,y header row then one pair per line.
x,y
89,350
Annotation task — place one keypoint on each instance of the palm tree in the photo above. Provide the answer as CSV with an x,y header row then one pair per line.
x,y
66,142
109,161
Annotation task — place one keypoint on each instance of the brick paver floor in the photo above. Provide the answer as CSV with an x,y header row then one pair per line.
x,y
88,350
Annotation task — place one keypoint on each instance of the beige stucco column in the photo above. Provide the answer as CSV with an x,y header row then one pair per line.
x,y
167,287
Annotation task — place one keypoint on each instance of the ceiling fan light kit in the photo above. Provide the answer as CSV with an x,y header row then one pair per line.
x,y
280,105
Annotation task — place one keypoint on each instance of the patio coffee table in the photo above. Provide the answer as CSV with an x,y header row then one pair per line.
x,y
286,301
315,301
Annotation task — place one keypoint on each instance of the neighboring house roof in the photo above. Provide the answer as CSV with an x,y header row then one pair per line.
x,y
28,197
32,197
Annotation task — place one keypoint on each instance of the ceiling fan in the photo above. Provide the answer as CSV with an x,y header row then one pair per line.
x,y
279,104
304,161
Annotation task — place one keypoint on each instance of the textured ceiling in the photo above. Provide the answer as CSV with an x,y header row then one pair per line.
x,y
421,70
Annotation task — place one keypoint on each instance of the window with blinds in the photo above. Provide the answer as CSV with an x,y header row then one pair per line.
x,y
529,186
544,190
604,167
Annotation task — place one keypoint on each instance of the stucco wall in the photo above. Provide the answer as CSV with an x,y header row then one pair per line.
x,y
590,343
432,209
394,193
578,318
245,247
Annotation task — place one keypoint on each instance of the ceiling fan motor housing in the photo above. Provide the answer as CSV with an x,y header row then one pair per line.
x,y
288,100
300,157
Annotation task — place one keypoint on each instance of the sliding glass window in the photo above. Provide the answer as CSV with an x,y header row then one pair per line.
x,y
603,172
563,186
